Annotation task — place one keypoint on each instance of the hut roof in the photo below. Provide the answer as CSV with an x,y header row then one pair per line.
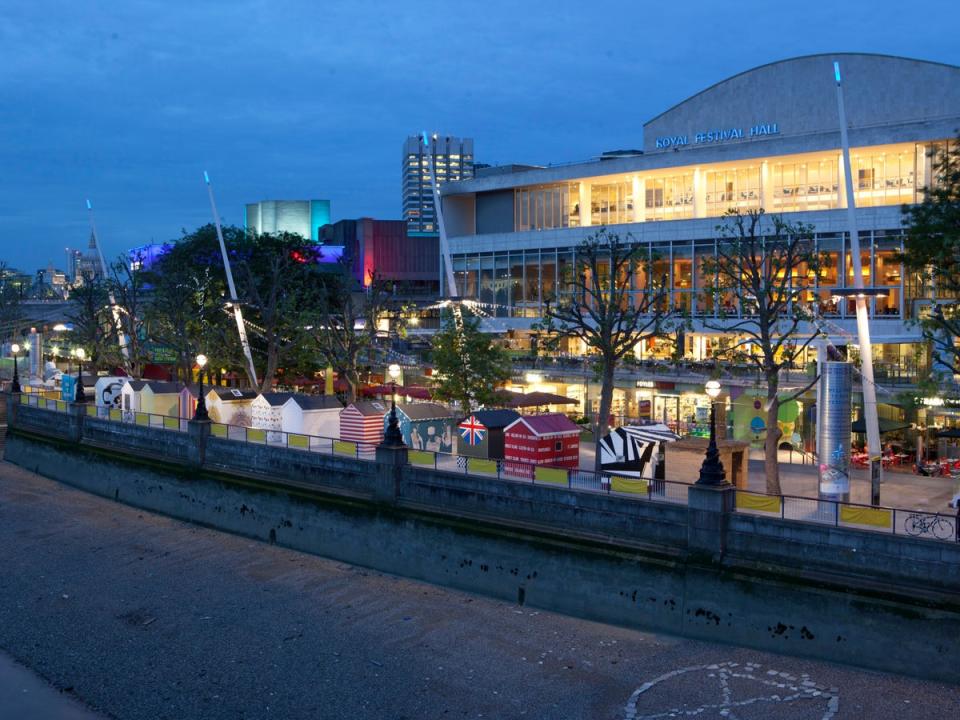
x,y
368,407
424,411
157,387
318,402
231,394
549,424
495,418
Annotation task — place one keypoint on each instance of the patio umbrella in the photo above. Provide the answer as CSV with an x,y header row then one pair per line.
x,y
886,426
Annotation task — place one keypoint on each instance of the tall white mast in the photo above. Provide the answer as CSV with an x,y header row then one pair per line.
x,y
863,321
121,336
444,245
237,314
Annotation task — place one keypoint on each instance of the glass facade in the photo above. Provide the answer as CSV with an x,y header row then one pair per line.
x,y
883,175
669,198
520,282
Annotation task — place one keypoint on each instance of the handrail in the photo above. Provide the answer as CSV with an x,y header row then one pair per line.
x,y
920,524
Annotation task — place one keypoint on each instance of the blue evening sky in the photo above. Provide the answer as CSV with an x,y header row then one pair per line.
x,y
128,101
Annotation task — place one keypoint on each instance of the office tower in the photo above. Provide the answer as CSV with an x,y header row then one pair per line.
x,y
453,160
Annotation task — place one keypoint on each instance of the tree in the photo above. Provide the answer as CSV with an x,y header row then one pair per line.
x,y
769,266
185,311
932,253
126,283
468,365
345,328
613,304
11,310
92,321
279,283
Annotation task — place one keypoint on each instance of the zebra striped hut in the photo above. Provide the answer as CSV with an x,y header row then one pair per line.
x,y
633,450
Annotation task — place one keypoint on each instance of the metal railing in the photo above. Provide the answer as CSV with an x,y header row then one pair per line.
x,y
294,441
895,521
553,476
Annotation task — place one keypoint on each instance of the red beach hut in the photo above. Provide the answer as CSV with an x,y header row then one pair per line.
x,y
551,439
362,422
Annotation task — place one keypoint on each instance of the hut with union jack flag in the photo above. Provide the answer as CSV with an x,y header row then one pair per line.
x,y
481,434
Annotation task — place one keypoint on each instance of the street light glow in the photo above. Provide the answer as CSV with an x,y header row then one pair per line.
x,y
15,348
201,360
712,388
394,371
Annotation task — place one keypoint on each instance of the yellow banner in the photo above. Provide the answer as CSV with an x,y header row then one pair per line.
x,y
171,423
420,457
218,430
61,406
636,486
115,414
763,503
557,476
256,435
142,419
24,399
480,465
301,442
866,516
91,410
344,447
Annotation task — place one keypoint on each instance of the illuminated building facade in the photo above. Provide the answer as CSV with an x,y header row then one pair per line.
x,y
453,161
766,138
302,217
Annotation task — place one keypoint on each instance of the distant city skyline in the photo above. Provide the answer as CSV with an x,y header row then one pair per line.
x,y
128,104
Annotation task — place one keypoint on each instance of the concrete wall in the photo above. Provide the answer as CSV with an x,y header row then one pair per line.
x,y
865,598
494,212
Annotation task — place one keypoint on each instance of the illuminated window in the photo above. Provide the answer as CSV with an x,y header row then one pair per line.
x,y
810,185
611,204
669,198
737,188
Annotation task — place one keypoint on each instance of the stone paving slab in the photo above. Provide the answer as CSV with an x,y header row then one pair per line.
x,y
149,618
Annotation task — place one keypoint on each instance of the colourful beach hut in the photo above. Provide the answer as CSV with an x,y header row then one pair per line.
x,y
425,426
362,422
230,405
551,439
481,434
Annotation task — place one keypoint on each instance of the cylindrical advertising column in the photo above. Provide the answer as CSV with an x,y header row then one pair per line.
x,y
833,430
36,355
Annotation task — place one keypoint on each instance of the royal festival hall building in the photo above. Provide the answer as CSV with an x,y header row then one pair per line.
x,y
767,138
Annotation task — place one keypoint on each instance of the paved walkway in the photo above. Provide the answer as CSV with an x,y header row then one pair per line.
x,y
901,488
26,696
148,618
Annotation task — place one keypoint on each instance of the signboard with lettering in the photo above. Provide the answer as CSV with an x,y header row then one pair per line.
x,y
68,387
718,135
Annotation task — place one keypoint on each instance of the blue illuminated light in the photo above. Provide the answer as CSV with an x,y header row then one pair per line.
x,y
426,140
89,206
836,71
206,178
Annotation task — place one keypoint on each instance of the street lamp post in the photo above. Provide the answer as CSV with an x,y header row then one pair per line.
x,y
200,414
80,396
711,472
393,436
15,385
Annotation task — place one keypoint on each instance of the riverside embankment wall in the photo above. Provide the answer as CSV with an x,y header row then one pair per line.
x,y
864,598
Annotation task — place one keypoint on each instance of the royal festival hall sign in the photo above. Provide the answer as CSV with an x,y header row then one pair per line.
x,y
719,135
